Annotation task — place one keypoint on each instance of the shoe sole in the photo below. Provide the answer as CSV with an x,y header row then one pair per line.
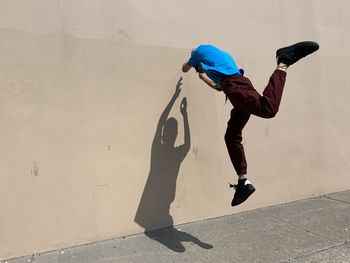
x,y
304,47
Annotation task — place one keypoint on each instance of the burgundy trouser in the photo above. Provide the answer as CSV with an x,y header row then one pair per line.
x,y
246,101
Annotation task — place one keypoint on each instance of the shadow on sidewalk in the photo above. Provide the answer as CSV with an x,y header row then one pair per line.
x,y
173,238
159,192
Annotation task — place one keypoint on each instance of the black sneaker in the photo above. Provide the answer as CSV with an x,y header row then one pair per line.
x,y
291,54
244,189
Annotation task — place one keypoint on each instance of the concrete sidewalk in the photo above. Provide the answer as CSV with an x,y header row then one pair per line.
x,y
310,230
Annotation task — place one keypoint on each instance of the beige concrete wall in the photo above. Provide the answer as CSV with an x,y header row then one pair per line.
x,y
82,87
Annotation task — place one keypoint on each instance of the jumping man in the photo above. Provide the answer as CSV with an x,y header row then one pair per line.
x,y
219,71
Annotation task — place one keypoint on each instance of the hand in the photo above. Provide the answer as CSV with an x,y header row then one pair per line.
x,y
186,67
178,88
183,106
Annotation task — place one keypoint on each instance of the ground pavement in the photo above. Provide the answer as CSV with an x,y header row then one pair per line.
x,y
310,230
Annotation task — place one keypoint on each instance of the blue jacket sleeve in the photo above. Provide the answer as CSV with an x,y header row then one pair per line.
x,y
194,59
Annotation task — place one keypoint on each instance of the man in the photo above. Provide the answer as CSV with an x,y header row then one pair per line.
x,y
219,71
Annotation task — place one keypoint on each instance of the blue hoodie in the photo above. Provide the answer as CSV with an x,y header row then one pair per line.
x,y
215,62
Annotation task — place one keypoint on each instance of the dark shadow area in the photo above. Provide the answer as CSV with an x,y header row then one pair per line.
x,y
173,238
159,192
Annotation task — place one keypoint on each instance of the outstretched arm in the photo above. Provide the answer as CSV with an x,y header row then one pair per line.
x,y
209,82
165,114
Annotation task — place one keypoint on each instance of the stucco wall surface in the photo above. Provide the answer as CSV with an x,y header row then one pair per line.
x,y
83,89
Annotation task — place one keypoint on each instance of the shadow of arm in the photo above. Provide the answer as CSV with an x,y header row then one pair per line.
x,y
165,113
187,136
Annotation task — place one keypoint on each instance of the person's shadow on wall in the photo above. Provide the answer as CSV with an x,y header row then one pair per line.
x,y
159,192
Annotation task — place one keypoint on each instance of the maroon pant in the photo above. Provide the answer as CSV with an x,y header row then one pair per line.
x,y
246,101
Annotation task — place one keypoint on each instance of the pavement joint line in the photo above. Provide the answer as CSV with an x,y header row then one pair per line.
x,y
316,251
330,198
298,227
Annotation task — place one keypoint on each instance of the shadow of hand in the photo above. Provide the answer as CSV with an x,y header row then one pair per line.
x,y
178,87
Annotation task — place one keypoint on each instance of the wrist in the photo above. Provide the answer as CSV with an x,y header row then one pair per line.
x,y
218,88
